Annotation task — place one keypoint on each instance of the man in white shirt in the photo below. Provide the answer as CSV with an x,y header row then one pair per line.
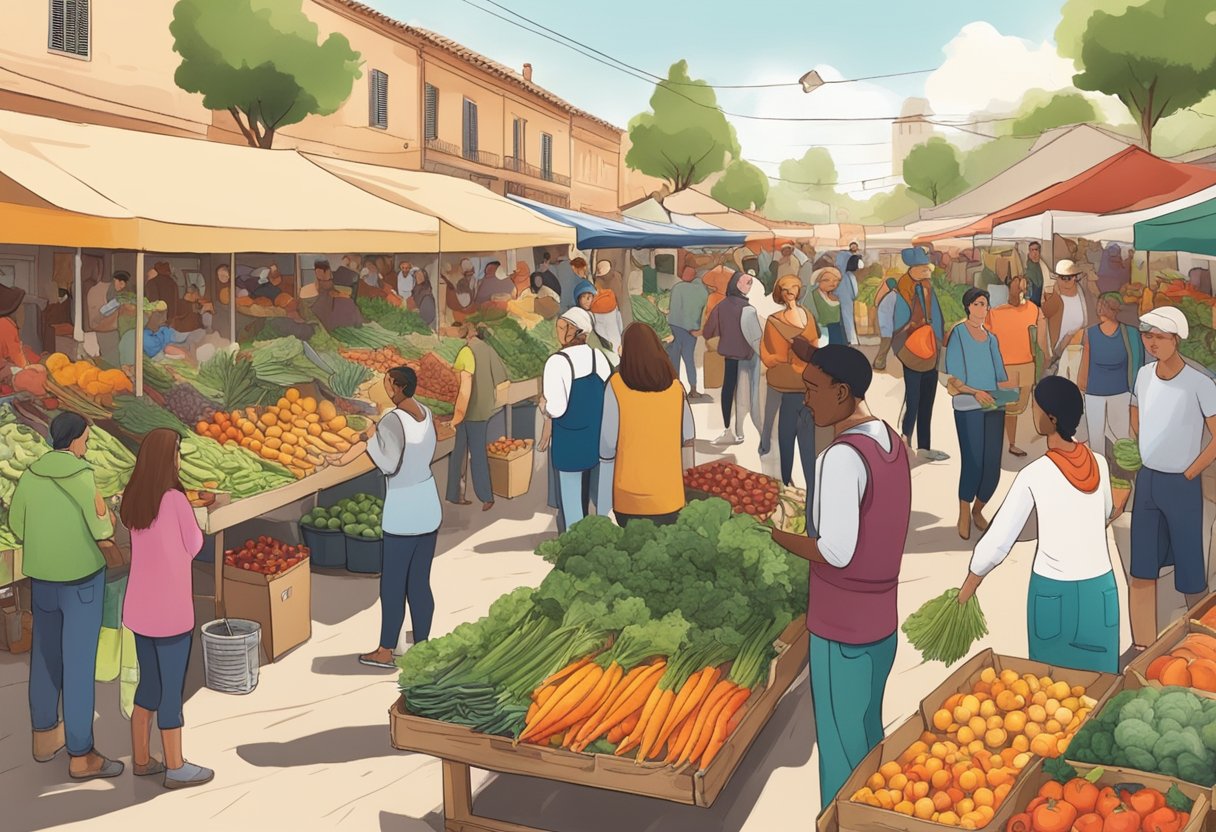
x,y
572,399
1171,406
1069,309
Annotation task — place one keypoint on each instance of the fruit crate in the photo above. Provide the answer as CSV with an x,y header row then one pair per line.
x,y
1172,639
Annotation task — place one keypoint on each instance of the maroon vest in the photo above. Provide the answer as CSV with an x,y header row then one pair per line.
x,y
857,604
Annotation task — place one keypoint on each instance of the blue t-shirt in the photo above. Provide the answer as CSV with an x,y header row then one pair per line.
x,y
155,342
976,364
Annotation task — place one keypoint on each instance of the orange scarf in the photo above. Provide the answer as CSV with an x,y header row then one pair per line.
x,y
1077,466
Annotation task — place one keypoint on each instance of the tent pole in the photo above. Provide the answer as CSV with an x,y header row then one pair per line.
x,y
441,298
139,323
232,297
77,304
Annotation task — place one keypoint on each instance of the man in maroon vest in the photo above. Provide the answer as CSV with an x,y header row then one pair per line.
x,y
860,511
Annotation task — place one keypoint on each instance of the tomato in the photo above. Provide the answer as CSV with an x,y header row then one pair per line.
x,y
1054,816
1164,819
1089,822
1019,823
1122,820
1082,794
1108,801
1052,790
1034,804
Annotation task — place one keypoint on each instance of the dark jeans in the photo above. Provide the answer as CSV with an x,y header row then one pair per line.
x,y
406,574
659,519
836,334
730,381
794,425
980,434
162,676
63,659
683,347
471,440
920,389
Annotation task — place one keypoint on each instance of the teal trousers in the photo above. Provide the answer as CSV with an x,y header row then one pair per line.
x,y
1074,623
847,685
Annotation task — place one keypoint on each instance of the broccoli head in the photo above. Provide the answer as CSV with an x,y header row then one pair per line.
x,y
1168,766
1140,759
1136,733
1179,705
1137,709
1193,769
1208,735
1102,744
1177,742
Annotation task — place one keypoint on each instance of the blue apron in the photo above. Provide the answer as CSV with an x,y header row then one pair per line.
x,y
576,433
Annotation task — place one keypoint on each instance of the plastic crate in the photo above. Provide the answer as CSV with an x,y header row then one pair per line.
x,y
364,556
327,549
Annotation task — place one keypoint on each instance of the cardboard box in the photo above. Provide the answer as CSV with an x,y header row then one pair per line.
x,y
858,817
1164,645
281,603
511,476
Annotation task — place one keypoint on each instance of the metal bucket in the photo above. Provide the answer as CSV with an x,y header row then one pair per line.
x,y
231,654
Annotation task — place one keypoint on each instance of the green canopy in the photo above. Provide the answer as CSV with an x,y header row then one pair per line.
x,y
1192,230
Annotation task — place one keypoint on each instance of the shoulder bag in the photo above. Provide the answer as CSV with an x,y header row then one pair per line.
x,y
915,343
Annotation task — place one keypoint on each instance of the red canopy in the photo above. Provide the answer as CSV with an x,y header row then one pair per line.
x,y
1128,181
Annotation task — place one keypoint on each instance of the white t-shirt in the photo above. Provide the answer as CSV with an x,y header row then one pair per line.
x,y
557,378
836,508
1073,318
1172,414
403,449
1072,543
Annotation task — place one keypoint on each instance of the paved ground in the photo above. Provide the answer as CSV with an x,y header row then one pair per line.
x,y
309,749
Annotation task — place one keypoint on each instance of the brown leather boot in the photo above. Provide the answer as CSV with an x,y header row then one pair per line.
x,y
964,520
977,516
48,743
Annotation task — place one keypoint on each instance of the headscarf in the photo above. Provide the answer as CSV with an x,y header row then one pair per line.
x,y
1077,466
522,276
732,287
581,318
688,274
583,287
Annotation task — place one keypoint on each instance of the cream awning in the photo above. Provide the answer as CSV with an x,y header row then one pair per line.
x,y
85,185
472,218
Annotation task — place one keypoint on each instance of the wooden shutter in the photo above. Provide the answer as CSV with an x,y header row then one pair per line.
x,y
518,140
546,154
69,27
377,109
470,128
431,119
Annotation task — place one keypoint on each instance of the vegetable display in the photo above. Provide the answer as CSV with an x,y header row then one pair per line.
x,y
369,336
525,357
1168,731
347,377
282,362
266,556
139,416
628,646
394,318
207,465
186,403
943,629
504,447
645,311
235,379
111,461
437,380
1066,802
1192,664
745,490
960,773
87,376
357,516
20,446
950,297
380,361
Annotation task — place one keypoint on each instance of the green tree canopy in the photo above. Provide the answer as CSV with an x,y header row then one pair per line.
x,y
1157,58
743,187
1074,17
260,60
683,138
891,206
932,170
1052,110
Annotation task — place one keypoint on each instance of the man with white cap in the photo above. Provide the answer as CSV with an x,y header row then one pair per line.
x,y
572,399
1172,404
1069,310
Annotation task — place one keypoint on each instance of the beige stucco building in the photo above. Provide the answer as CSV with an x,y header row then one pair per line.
x,y
422,102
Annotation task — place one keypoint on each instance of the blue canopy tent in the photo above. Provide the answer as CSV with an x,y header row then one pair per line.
x,y
599,232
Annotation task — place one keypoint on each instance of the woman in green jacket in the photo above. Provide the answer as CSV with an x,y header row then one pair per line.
x,y
59,516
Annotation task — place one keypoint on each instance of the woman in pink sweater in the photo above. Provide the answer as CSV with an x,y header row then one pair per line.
x,y
159,607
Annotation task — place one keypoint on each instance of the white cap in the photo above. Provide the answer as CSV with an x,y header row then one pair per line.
x,y
580,317
1067,268
602,268
1167,319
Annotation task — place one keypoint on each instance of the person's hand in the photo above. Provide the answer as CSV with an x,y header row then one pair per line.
x,y
964,595
984,398
543,444
1192,473
696,333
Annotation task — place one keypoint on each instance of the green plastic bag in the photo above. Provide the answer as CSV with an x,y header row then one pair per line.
x,y
109,650
111,605
128,673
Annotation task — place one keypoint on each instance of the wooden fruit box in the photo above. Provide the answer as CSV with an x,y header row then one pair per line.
x,y
860,817
460,747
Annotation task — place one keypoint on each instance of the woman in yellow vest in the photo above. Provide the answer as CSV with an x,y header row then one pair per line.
x,y
647,422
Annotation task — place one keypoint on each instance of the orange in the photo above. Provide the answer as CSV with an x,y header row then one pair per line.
x,y
969,781
942,719
905,807
1015,721
889,770
941,801
924,808
940,780
984,798
876,781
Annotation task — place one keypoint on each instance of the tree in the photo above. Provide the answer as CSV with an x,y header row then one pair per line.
x,y
1157,58
1060,110
897,204
984,161
684,138
743,187
932,170
260,61
1074,17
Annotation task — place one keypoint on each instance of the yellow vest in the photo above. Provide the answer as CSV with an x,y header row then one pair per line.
x,y
649,476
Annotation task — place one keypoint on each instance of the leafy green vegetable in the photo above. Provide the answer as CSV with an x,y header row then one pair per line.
x,y
1177,800
395,318
1059,770
235,380
944,630
282,362
369,336
347,376
648,313
1127,455
525,358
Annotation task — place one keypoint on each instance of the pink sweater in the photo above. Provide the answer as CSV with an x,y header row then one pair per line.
x,y
160,593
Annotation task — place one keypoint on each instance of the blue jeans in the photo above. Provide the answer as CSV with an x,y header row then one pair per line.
x,y
794,425
574,488
162,677
406,574
837,333
920,389
980,433
683,347
63,659
471,440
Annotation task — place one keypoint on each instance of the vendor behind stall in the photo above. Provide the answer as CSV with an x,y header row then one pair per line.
x,y
333,307
422,298
493,287
18,362
58,313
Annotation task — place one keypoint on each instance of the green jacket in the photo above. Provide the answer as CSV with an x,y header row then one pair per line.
x,y
54,515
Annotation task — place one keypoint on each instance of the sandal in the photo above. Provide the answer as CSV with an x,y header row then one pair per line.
x,y
461,502
1018,452
367,660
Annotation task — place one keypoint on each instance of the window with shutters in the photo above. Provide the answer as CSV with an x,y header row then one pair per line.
x,y
431,119
546,156
377,105
519,140
69,29
469,144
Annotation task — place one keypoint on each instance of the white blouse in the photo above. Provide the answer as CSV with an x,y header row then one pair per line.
x,y
1072,541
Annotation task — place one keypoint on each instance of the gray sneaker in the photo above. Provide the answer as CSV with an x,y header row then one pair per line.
x,y
935,456
188,775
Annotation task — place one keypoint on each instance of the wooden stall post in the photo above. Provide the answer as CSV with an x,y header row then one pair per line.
x,y
232,297
139,323
77,304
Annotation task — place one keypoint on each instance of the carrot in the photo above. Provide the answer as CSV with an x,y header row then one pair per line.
x,y
693,692
583,711
721,728
680,738
633,700
542,696
616,734
635,736
703,730
565,671
611,699
655,724
532,709
574,688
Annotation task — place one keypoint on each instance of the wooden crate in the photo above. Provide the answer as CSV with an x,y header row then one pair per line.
x,y
858,817
1170,639
461,747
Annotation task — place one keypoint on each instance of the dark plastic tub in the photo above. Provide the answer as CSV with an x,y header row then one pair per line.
x,y
364,556
327,549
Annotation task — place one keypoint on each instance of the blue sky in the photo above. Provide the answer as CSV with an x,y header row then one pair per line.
x,y
771,42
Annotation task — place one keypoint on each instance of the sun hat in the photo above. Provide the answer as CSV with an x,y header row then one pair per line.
x,y
1067,268
580,318
915,257
1167,319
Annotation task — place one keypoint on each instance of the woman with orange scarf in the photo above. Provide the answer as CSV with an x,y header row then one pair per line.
x,y
1072,614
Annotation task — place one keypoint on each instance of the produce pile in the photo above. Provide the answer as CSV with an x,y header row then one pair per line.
x,y
647,641
298,432
504,448
944,630
950,297
282,363
188,404
394,318
112,462
209,466
960,773
369,336
20,446
266,556
139,416
647,312
745,490
436,380
1192,664
1066,802
357,516
524,356
1168,731
380,361
235,381
87,377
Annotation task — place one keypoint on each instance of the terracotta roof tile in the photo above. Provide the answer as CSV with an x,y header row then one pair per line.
x,y
475,59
